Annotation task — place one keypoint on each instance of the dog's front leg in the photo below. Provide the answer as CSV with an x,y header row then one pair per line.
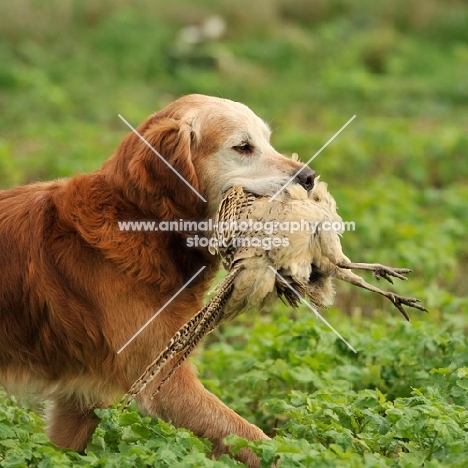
x,y
184,401
70,423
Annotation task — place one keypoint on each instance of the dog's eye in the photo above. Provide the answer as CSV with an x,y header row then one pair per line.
x,y
243,148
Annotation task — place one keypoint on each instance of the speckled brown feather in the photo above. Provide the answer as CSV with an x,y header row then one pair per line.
x,y
185,339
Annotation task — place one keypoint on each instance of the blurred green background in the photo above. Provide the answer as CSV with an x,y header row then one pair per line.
x,y
400,170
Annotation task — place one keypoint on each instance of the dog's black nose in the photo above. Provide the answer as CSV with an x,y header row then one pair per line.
x,y
306,178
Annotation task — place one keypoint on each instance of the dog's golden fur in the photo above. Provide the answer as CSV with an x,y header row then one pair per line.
x,y
74,288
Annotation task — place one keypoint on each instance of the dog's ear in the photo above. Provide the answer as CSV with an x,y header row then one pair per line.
x,y
161,167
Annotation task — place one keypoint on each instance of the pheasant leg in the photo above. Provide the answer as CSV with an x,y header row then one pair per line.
x,y
398,301
380,271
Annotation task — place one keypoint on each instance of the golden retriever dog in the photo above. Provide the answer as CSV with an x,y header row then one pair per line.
x,y
74,287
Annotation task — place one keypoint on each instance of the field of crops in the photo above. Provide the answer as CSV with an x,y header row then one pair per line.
x,y
399,171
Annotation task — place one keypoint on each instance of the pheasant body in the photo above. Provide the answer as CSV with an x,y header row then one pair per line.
x,y
267,256
304,254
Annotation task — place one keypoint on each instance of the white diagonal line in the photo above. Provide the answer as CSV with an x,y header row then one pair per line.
x,y
314,310
312,158
161,309
182,178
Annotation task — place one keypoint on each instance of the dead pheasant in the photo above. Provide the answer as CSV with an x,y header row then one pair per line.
x,y
266,258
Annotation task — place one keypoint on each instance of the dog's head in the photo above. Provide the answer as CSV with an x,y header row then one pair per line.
x,y
190,152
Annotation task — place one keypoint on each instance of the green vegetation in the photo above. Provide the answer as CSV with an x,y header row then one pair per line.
x,y
399,171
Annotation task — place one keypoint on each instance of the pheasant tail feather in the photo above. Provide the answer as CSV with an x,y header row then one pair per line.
x,y
185,340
